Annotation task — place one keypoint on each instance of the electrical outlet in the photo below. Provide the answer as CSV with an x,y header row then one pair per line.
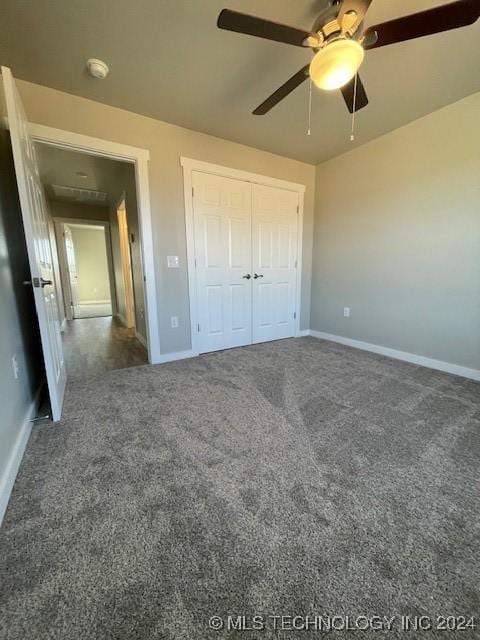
x,y
174,322
16,370
346,312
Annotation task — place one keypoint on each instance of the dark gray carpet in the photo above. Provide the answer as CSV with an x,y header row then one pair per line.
x,y
292,478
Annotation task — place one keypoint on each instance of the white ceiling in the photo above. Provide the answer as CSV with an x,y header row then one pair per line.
x,y
61,167
169,61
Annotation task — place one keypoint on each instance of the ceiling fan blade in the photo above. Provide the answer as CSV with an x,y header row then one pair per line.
x,y
253,26
282,92
360,7
449,16
348,92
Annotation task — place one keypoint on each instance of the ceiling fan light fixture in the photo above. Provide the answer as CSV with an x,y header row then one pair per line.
x,y
336,63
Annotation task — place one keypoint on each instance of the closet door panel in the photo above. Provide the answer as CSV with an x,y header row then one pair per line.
x,y
274,247
223,246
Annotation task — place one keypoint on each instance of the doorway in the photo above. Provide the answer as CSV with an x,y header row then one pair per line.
x,y
85,263
37,224
92,203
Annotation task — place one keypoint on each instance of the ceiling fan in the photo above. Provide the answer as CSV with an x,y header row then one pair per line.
x,y
339,42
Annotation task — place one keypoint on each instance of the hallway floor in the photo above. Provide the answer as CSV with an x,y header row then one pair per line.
x,y
95,345
96,310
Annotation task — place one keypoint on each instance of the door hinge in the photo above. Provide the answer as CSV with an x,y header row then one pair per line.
x,y
294,315
296,264
195,263
198,328
193,191
298,209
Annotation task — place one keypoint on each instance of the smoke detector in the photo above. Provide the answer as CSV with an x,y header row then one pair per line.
x,y
97,68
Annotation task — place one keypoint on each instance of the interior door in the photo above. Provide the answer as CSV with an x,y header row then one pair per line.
x,y
126,257
222,213
274,259
35,223
72,267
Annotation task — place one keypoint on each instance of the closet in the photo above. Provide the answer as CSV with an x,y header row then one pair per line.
x,y
245,261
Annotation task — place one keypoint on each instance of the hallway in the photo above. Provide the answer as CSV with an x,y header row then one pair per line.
x,y
95,345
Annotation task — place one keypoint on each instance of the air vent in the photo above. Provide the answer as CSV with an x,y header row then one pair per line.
x,y
79,195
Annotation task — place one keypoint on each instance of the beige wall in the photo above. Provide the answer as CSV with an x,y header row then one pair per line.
x,y
91,264
166,144
397,239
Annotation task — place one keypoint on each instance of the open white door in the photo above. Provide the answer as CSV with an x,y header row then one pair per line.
x,y
35,222
71,266
126,265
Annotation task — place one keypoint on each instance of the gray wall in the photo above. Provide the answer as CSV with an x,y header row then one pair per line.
x,y
166,144
65,209
19,333
397,239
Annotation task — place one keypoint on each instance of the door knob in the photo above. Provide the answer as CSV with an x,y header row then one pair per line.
x,y
258,275
247,276
37,282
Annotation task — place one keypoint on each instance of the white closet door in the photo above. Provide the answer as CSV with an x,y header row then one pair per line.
x,y
222,212
274,235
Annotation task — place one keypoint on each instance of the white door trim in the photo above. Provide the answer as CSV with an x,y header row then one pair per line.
x,y
140,158
189,165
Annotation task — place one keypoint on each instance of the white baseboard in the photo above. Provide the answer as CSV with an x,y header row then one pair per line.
x,y
302,333
80,303
141,339
423,361
8,478
177,355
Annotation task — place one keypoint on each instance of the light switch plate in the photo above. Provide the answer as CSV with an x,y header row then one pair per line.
x,y
173,262
16,370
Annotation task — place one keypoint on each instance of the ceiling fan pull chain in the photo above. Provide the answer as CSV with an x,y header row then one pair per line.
x,y
309,131
352,133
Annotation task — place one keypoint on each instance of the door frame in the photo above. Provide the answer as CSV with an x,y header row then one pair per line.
x,y
139,158
189,165
62,258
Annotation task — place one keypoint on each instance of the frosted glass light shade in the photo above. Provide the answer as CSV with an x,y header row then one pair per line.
x,y
336,64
